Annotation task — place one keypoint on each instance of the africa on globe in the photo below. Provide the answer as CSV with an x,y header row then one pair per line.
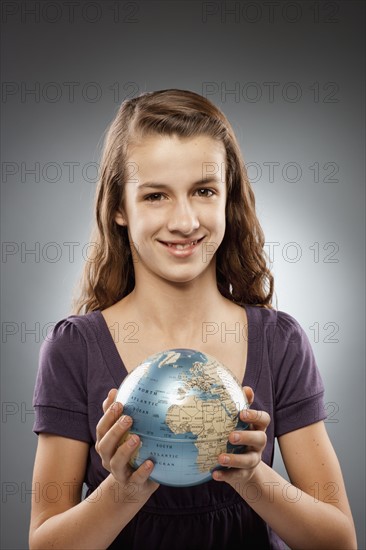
x,y
184,404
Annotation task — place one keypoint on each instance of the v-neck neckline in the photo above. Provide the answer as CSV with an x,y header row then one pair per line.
x,y
118,369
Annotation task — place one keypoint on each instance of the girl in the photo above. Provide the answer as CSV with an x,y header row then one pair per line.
x,y
178,250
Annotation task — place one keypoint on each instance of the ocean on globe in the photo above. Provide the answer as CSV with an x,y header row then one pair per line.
x,y
184,404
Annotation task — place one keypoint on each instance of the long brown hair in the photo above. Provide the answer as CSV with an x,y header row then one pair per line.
x,y
241,268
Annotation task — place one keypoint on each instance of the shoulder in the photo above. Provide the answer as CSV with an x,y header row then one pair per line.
x,y
71,333
288,331
273,323
286,343
290,355
269,314
64,353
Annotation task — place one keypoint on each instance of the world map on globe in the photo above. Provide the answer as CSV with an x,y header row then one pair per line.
x,y
184,404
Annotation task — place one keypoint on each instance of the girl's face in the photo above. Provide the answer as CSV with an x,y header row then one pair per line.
x,y
174,206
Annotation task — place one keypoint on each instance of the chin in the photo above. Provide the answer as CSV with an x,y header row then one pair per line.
x,y
181,278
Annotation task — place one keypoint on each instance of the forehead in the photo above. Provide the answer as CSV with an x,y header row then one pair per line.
x,y
171,156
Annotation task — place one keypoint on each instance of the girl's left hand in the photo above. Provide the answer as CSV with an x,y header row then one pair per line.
x,y
242,466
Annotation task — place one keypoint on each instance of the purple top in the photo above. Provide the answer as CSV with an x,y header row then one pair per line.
x,y
79,363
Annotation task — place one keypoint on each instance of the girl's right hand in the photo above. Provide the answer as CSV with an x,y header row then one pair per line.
x,y
111,428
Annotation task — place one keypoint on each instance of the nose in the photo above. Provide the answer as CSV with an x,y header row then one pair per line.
x,y
183,218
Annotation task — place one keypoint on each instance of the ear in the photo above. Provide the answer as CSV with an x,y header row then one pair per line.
x,y
119,218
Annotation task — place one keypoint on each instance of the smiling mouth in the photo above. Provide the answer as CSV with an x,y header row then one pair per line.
x,y
182,246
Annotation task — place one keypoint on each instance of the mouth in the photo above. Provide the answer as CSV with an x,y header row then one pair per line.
x,y
181,245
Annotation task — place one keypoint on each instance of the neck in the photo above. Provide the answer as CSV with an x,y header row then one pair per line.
x,y
176,309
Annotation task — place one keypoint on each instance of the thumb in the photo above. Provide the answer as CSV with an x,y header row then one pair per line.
x,y
249,394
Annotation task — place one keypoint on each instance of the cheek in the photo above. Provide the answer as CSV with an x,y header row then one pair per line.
x,y
219,218
142,226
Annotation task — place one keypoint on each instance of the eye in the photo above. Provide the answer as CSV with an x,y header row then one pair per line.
x,y
154,197
206,192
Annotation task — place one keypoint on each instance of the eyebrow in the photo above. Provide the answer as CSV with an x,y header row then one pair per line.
x,y
156,185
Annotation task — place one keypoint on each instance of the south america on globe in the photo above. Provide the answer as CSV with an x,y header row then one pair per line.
x,y
184,404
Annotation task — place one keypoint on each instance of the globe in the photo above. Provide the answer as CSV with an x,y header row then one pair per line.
x,y
184,404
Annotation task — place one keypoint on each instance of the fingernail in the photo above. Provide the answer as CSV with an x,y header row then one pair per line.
x,y
225,460
235,437
114,406
217,474
132,441
125,420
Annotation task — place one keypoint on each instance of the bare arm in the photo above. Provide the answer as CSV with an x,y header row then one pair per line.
x,y
59,519
313,510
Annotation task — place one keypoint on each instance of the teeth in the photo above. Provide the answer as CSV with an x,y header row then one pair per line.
x,y
182,246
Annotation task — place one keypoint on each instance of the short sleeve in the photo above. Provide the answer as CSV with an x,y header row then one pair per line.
x,y
60,393
299,389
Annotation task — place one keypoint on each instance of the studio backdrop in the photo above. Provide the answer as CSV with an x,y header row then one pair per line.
x,y
290,78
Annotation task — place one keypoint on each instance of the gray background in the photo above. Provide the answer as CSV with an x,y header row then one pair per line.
x,y
295,71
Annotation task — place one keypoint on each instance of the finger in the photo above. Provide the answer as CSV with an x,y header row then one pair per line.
x,y
252,439
109,399
233,476
122,455
109,418
245,461
142,473
110,443
258,420
249,394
